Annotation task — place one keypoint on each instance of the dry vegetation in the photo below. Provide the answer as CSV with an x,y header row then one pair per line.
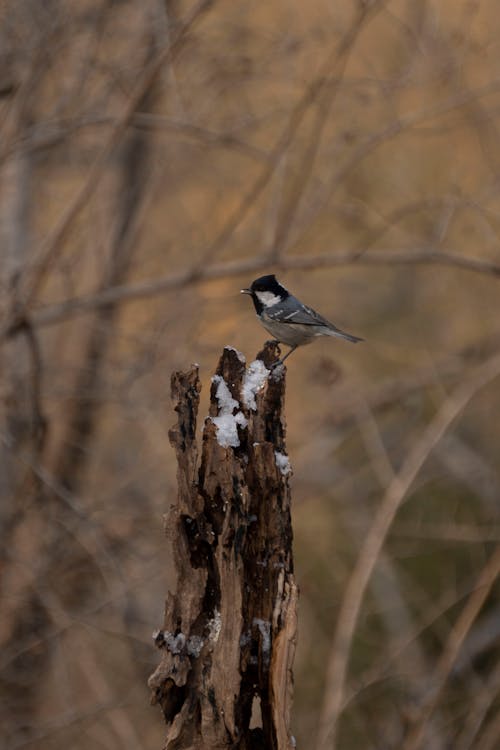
x,y
155,157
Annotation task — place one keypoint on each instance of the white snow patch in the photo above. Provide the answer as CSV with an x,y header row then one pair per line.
x,y
174,643
214,626
283,463
177,643
277,372
255,377
194,645
227,422
265,632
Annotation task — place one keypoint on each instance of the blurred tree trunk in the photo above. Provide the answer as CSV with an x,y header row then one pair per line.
x,y
47,479
129,186
22,423
19,407
228,639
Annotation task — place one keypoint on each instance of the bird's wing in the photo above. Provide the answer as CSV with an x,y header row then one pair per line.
x,y
294,312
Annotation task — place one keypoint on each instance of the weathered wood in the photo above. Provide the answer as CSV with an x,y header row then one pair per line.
x,y
228,639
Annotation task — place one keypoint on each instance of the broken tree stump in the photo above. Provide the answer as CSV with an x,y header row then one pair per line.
x,y
228,638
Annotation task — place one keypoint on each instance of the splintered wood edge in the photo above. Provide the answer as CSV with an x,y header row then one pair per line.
x,y
282,667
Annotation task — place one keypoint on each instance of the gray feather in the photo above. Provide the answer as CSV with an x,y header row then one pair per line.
x,y
293,323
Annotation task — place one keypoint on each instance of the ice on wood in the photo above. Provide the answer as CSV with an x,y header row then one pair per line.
x,y
227,422
253,380
283,463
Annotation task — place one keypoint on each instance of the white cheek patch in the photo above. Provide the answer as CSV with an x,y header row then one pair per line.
x,y
268,299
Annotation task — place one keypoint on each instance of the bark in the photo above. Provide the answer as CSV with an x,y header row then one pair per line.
x,y
228,639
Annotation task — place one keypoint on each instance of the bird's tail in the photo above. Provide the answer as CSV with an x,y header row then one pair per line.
x,y
343,335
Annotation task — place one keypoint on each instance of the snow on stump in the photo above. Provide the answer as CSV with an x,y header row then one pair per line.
x,y
228,638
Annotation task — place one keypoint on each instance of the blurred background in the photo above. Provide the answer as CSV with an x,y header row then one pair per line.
x,y
155,157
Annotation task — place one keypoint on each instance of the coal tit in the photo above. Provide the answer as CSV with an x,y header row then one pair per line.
x,y
286,318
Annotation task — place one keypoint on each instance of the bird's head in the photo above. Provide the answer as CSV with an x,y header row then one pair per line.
x,y
266,291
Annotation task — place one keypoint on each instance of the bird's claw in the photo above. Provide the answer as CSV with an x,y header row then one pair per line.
x,y
276,364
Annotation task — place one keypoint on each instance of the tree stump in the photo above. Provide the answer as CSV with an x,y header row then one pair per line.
x,y
228,639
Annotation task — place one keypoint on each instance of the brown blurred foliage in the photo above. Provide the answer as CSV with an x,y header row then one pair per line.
x,y
155,157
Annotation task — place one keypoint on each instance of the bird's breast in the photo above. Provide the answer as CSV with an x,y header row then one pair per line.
x,y
289,333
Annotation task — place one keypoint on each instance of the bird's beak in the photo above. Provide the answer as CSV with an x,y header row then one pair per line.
x,y
246,291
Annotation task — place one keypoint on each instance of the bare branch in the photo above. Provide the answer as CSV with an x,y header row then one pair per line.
x,y
53,132
365,13
375,539
51,314
485,581
52,247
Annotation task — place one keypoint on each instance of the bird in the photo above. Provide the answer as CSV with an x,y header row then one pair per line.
x,y
287,318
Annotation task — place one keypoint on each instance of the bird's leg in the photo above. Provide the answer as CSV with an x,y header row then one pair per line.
x,y
280,361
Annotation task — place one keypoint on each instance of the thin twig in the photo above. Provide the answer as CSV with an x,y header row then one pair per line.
x,y
324,104
481,705
389,132
54,132
311,95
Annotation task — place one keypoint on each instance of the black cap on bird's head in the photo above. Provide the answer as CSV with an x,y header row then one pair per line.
x,y
267,283
266,291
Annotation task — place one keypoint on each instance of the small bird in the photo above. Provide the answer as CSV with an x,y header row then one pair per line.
x,y
287,318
